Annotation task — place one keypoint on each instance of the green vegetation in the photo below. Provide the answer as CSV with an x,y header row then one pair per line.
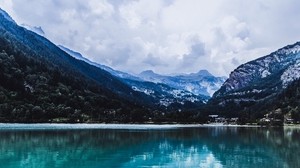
x,y
33,91
41,83
277,106
289,101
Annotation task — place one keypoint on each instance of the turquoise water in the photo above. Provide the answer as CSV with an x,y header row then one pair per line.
x,y
176,147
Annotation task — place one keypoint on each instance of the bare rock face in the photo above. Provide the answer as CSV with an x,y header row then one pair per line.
x,y
266,75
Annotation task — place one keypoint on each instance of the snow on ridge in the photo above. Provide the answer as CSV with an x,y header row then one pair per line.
x,y
294,50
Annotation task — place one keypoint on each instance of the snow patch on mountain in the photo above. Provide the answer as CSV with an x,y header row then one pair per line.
x,y
165,102
164,94
265,73
291,74
200,83
264,77
270,65
189,87
290,50
211,88
146,91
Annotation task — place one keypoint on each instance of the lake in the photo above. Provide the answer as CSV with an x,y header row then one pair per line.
x,y
84,146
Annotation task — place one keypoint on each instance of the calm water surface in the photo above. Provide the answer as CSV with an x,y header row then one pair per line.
x,y
181,147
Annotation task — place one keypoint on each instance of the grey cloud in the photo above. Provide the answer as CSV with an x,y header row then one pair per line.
x,y
153,61
228,32
196,55
243,34
235,62
198,49
114,57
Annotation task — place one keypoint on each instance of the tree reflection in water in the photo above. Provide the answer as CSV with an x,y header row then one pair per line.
x,y
188,147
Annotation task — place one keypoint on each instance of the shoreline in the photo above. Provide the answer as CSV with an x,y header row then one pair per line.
x,y
114,126
144,126
291,126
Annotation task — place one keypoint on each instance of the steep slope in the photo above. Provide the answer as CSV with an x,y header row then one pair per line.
x,y
282,64
289,101
168,97
255,85
27,41
270,73
201,83
162,95
40,82
116,73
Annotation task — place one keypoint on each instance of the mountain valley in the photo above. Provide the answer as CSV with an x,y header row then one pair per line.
x,y
44,82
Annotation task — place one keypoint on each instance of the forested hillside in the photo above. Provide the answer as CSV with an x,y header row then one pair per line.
x,y
31,90
41,83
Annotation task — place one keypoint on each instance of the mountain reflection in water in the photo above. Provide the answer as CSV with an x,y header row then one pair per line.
x,y
185,147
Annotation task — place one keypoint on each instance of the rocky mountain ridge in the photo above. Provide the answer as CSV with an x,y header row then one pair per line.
x,y
282,65
200,83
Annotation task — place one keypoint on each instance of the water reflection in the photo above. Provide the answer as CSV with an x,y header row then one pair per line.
x,y
190,147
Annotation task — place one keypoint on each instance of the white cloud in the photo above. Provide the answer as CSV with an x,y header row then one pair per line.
x,y
171,36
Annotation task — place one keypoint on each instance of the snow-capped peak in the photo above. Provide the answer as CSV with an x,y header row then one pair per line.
x,y
6,15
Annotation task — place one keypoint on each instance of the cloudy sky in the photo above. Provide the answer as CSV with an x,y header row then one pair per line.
x,y
167,36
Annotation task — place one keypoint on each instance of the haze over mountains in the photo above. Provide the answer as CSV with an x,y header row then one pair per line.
x,y
164,93
34,67
40,81
200,83
38,77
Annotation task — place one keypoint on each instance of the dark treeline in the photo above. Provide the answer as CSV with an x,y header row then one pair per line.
x,y
33,89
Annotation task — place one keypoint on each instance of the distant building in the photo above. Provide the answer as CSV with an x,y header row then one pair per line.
x,y
212,118
221,120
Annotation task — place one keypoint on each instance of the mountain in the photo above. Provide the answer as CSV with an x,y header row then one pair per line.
x,y
161,94
273,73
30,42
40,82
167,96
255,86
200,83
116,73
